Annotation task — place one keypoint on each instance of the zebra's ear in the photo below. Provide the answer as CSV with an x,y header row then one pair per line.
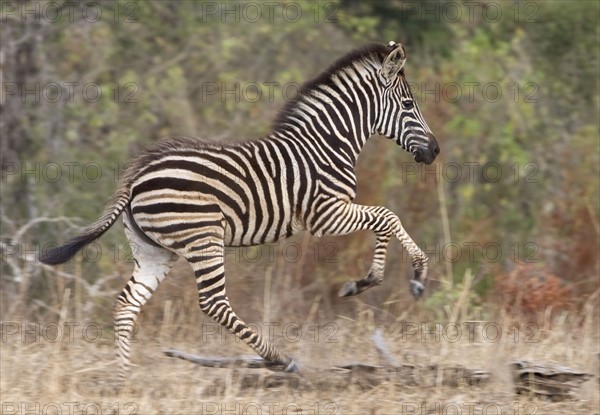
x,y
394,61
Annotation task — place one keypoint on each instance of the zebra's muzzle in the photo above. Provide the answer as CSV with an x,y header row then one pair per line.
x,y
427,154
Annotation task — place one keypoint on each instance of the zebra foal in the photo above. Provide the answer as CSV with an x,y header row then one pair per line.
x,y
191,198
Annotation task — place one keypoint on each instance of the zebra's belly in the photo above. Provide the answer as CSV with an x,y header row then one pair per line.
x,y
257,229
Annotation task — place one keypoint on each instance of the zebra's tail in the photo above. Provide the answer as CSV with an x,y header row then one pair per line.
x,y
111,212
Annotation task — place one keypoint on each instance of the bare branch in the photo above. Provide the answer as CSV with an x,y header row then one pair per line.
x,y
23,229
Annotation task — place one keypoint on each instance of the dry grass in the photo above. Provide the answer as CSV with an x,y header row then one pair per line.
x,y
79,374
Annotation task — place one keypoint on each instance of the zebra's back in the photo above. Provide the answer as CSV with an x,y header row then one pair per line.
x,y
256,190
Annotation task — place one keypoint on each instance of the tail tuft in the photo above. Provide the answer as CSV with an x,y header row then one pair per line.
x,y
67,251
63,253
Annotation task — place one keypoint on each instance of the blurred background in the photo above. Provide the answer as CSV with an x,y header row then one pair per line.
x,y
510,89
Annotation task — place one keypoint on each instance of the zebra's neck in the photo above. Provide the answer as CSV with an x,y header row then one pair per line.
x,y
335,112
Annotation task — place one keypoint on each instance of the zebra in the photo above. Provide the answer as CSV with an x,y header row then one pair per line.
x,y
192,198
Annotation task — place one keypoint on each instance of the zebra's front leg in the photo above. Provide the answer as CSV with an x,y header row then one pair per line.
x,y
375,275
419,259
350,218
206,259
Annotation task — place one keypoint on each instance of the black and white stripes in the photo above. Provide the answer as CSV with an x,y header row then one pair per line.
x,y
189,198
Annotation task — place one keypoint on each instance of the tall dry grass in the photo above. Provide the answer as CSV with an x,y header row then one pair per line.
x,y
77,372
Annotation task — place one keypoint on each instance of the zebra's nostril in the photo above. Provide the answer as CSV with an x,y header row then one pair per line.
x,y
436,150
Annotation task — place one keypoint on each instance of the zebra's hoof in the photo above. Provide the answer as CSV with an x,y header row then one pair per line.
x,y
291,367
416,288
349,288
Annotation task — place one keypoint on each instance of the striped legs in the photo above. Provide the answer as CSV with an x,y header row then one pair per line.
x,y
206,257
152,264
351,217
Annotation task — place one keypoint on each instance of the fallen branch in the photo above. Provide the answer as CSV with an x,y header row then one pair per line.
x,y
362,375
249,362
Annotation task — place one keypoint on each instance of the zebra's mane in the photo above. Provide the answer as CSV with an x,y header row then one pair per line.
x,y
378,50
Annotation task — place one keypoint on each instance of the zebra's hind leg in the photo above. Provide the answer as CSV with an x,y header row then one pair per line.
x,y
152,264
206,258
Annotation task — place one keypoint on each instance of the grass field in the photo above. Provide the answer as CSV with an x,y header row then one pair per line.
x,y
67,365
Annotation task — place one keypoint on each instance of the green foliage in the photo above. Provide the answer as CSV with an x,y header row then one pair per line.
x,y
443,301
158,78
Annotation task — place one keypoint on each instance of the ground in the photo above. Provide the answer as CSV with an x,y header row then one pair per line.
x,y
77,373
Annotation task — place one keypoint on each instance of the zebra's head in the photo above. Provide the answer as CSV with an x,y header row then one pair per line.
x,y
400,118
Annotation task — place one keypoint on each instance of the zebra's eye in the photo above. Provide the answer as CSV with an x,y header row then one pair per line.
x,y
407,104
